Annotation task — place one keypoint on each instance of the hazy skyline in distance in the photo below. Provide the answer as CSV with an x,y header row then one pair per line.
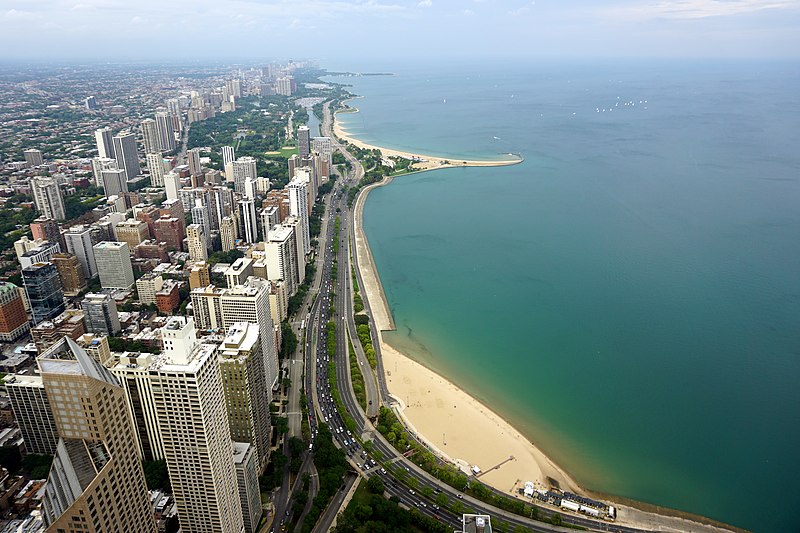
x,y
161,30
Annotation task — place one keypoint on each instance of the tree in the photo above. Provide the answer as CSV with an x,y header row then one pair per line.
x,y
156,475
441,499
38,466
375,485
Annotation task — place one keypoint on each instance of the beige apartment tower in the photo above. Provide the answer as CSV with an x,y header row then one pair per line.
x,y
189,399
242,368
96,483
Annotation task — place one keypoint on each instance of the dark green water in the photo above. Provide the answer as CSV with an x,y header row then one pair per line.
x,y
629,296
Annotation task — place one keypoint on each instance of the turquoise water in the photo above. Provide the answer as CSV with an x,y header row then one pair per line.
x,y
629,296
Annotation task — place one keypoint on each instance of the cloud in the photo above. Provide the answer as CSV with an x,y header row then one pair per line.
x,y
425,3
696,9
468,12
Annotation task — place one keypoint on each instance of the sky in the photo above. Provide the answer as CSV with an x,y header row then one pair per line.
x,y
341,30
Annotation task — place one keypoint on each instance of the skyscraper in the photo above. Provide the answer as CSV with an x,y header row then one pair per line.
x,y
193,159
249,220
155,164
227,234
79,243
217,308
247,478
33,157
304,141
188,393
196,242
172,185
114,264
243,168
133,373
166,127
43,288
70,272
298,207
47,229
90,102
100,314
105,142
48,198
227,155
280,253
126,154
99,164
115,182
13,319
96,482
150,136
32,412
241,364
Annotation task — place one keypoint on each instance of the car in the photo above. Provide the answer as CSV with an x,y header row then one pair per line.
x,y
411,491
460,496
435,506
383,470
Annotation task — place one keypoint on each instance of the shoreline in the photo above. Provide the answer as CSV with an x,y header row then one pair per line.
x,y
422,162
477,434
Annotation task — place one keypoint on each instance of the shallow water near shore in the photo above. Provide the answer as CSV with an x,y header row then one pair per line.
x,y
628,297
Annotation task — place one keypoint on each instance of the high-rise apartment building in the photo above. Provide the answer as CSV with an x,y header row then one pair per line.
x,y
227,155
165,122
243,168
13,319
126,154
190,401
96,483
280,255
221,308
170,230
241,364
32,412
298,207
79,243
132,231
97,347
105,143
99,164
294,223
247,478
114,264
43,288
193,160
150,136
100,314
196,242
33,157
303,141
155,164
147,286
48,198
249,220
172,185
133,372
47,229
70,272
90,102
227,234
115,182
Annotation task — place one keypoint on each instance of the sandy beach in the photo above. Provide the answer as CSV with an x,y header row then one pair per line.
x,y
460,428
422,161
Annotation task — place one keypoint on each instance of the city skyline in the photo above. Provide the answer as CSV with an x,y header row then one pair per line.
x,y
416,29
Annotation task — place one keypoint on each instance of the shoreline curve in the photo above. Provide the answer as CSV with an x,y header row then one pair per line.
x,y
429,395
